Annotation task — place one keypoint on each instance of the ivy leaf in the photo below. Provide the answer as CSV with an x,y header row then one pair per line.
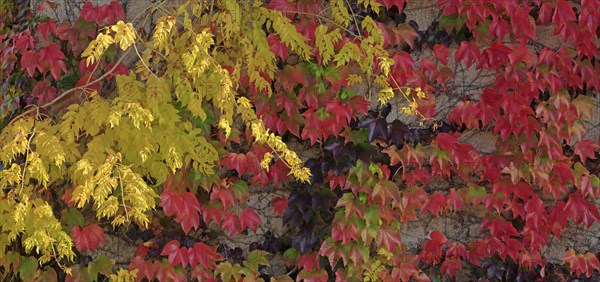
x,y
389,238
586,149
256,258
224,195
308,262
213,211
467,52
176,255
184,206
405,272
377,125
277,47
436,204
563,13
451,265
27,268
235,161
202,254
249,218
114,12
279,172
30,61
581,210
46,28
240,190
52,58
441,52
87,238
280,205
102,265
305,240
71,217
44,92
398,130
93,13
579,263
386,191
231,223
227,271
391,3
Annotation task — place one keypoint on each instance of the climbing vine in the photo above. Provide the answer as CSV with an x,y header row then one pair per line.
x,y
222,97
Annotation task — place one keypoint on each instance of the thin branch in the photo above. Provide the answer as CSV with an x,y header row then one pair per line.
x,y
27,151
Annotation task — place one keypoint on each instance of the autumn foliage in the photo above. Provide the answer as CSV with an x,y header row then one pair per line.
x,y
352,119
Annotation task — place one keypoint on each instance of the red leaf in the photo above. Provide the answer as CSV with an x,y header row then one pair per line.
x,y
436,204
563,13
176,255
581,210
114,12
586,149
235,161
579,263
279,172
184,206
467,52
30,61
224,195
46,28
308,261
280,204
121,69
23,41
205,255
450,265
43,92
390,239
87,238
93,13
283,5
249,218
231,223
391,3
277,47
545,15
563,171
464,113
385,191
432,252
405,272
145,268
52,59
213,211
67,197
359,104
441,52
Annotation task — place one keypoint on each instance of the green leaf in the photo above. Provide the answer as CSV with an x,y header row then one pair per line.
x,y
291,256
71,217
256,258
27,268
452,22
227,271
103,265
240,190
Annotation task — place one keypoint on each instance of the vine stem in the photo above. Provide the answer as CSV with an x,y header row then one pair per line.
x,y
26,156
144,63
67,92
123,195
